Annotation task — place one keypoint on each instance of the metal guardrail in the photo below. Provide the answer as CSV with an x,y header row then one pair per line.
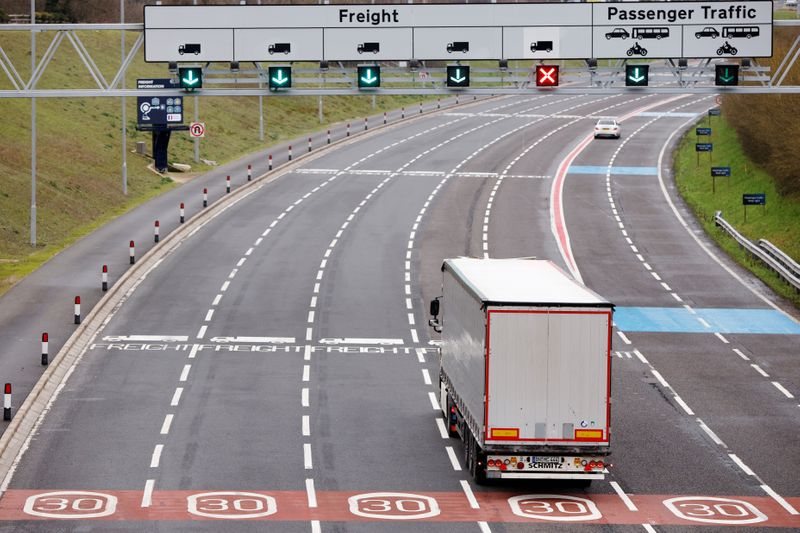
x,y
780,256
787,272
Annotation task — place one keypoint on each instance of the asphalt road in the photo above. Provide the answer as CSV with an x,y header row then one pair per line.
x,y
288,375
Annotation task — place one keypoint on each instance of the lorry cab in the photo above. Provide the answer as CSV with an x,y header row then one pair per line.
x,y
542,46
369,47
189,48
279,48
458,46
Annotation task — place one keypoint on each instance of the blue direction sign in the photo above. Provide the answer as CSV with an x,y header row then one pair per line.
x,y
159,110
717,172
714,112
156,83
754,199
703,131
703,147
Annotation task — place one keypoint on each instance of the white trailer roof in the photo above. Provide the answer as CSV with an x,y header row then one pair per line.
x,y
521,281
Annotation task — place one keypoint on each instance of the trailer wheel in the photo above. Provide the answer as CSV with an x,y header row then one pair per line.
x,y
477,471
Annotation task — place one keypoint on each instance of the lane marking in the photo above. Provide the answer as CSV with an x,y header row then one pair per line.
x,y
622,336
307,463
311,493
156,459
185,373
316,527
738,352
484,527
778,498
442,428
217,299
304,397
711,434
473,503
209,314
434,401
166,425
759,370
193,351
783,390
720,337
740,463
225,286
641,357
176,398
426,377
306,426
660,378
624,497
306,372
202,333
453,459
684,405
147,495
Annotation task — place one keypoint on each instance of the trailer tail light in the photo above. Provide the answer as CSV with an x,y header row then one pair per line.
x,y
490,463
520,465
503,466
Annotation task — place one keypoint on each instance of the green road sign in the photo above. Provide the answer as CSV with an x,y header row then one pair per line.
x,y
369,77
190,77
280,77
457,76
637,75
727,75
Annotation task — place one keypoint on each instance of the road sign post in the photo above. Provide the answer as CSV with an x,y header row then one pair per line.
x,y
718,171
703,147
753,199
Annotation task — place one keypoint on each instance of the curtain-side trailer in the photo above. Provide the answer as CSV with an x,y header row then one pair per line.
x,y
525,369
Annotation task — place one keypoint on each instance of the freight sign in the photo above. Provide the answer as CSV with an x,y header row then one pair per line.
x,y
456,31
703,147
702,131
720,172
754,199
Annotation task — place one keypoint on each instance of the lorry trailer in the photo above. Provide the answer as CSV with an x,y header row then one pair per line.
x,y
525,369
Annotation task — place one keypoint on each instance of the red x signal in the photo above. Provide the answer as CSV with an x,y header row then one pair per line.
x,y
546,75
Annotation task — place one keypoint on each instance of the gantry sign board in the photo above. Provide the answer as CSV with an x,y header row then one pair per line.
x,y
372,32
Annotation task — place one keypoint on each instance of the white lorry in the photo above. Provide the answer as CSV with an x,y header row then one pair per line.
x,y
525,369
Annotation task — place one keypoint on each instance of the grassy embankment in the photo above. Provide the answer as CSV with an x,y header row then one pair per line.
x,y
778,222
79,145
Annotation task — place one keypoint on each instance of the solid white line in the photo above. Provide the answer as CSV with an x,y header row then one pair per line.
x,y
209,314
442,428
311,493
193,351
738,352
434,401
473,503
484,527
759,370
624,497
453,459
202,332
641,357
304,397
217,299
176,398
185,372
316,527
623,337
307,456
166,425
723,339
783,390
156,459
741,464
783,503
147,496
684,405
660,378
710,433
306,372
426,376
306,426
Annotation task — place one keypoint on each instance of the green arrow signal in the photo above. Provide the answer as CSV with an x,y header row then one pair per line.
x,y
280,79
190,79
726,77
458,78
636,76
369,78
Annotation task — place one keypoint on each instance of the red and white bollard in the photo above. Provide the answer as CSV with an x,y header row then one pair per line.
x,y
290,152
384,117
366,126
182,213
309,144
348,129
269,159
7,403
133,255
329,136
77,309
249,173
156,228
45,348
104,278
227,184
403,112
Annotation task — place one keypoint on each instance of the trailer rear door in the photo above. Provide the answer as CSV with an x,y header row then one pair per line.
x,y
547,376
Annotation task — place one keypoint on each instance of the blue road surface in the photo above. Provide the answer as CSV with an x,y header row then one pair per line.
x,y
638,171
681,320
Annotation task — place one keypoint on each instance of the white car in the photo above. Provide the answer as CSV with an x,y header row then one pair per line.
x,y
790,3
607,127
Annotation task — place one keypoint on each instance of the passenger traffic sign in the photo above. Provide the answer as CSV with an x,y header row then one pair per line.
x,y
754,199
369,77
546,75
457,76
280,77
190,78
717,172
703,147
727,75
637,75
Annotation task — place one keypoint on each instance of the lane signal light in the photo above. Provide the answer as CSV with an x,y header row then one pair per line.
x,y
369,77
457,76
190,78
727,75
546,75
637,75
280,77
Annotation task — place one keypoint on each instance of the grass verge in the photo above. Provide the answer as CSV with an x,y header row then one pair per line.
x,y
777,222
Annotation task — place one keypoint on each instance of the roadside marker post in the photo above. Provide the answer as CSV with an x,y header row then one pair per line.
x,y
309,144
420,108
249,172
384,118
403,112
329,136
77,309
348,129
156,230
227,185
270,161
104,279
132,252
182,213
290,152
7,403
438,103
366,126
45,349
205,192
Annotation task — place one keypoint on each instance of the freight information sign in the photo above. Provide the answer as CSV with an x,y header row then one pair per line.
x,y
373,32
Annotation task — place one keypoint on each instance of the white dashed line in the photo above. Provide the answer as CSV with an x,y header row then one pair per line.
x,y
307,462
311,493
711,434
209,314
306,372
185,372
453,459
304,397
783,503
473,502
759,370
442,428
434,401
783,390
684,406
166,425
217,298
740,354
740,464
426,376
720,337
202,333
147,495
624,497
156,458
306,426
176,398
622,336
